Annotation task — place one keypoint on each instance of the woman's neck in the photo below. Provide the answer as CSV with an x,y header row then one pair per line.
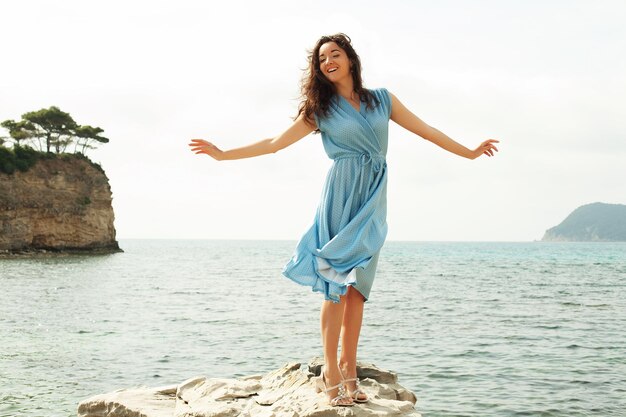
x,y
345,88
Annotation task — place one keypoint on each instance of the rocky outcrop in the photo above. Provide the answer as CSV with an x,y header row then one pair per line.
x,y
61,203
596,222
285,392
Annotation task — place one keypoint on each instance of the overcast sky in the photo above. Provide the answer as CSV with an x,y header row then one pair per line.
x,y
546,78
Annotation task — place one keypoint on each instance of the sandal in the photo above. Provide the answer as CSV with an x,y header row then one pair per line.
x,y
341,394
357,392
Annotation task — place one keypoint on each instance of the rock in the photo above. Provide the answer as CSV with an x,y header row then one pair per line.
x,y
61,203
138,402
363,370
286,392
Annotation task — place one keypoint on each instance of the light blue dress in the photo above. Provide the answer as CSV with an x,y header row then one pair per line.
x,y
341,248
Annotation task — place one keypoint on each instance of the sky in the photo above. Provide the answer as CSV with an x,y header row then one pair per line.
x,y
546,78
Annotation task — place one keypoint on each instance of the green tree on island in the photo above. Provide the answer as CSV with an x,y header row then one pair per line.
x,y
53,128
45,129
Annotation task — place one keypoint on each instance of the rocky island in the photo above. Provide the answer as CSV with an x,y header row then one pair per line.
x,y
596,222
62,204
52,200
286,392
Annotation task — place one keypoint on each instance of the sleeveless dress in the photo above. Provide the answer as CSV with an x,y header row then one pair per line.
x,y
341,248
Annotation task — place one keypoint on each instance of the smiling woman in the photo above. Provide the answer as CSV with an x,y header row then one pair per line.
x,y
333,64
338,255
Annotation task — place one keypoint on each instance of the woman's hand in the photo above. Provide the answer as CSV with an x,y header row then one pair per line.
x,y
487,148
199,146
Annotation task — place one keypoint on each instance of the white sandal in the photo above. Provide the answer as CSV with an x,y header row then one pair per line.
x,y
341,394
358,391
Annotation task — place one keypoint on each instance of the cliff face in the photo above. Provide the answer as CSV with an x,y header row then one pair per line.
x,y
597,222
61,203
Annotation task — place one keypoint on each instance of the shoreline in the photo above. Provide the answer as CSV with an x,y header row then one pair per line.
x,y
53,252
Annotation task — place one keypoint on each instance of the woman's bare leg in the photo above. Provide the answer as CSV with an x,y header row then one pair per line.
x,y
331,316
351,329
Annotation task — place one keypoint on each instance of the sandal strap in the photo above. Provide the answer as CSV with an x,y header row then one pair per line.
x,y
341,395
356,381
337,399
358,391
339,385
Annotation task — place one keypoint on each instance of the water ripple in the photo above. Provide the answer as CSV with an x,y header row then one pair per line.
x,y
494,329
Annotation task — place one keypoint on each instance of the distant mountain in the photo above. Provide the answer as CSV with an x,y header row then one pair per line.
x,y
596,222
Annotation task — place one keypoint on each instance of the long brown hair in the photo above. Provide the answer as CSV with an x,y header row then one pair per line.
x,y
317,90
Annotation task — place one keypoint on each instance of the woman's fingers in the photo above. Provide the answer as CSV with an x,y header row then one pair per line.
x,y
492,146
206,151
195,148
201,146
488,147
199,142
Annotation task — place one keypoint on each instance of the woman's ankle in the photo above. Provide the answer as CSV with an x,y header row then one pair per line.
x,y
347,368
331,374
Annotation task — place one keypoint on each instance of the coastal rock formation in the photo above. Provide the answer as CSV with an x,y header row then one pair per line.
x,y
597,222
59,204
285,392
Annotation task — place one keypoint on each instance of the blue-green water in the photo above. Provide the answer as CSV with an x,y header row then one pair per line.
x,y
475,329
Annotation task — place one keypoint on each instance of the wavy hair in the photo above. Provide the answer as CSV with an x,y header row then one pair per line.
x,y
317,91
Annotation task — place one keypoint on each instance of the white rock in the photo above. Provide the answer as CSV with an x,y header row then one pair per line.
x,y
134,402
285,392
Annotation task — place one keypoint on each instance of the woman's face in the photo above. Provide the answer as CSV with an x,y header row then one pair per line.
x,y
334,62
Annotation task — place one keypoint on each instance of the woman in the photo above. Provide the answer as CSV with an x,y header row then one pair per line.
x,y
339,253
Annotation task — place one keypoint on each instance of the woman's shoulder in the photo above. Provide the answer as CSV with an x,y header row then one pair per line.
x,y
381,93
383,97
378,91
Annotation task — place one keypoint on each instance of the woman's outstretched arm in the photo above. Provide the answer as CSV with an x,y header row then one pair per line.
x,y
299,129
403,116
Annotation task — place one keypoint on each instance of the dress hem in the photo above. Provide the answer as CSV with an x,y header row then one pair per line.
x,y
314,282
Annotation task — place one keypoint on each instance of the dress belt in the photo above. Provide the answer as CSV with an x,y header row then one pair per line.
x,y
377,162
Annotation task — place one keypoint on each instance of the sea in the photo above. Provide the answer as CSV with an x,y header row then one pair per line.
x,y
473,329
